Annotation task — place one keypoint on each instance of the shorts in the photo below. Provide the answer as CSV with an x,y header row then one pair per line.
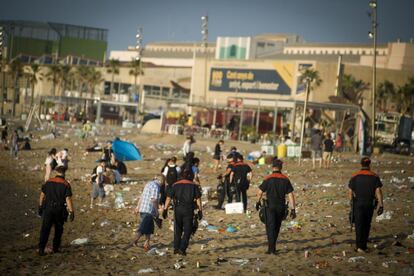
x,y
97,191
316,154
146,227
216,157
327,155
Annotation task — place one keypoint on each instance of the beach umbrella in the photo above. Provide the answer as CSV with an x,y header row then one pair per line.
x,y
125,151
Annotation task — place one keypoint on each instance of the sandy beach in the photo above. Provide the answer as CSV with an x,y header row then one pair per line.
x,y
321,231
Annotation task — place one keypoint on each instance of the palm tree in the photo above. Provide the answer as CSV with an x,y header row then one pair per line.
x,y
94,79
136,70
113,68
312,80
54,75
82,77
385,91
16,71
404,97
33,75
64,76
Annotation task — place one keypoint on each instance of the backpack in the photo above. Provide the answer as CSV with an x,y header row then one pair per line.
x,y
172,175
53,164
94,175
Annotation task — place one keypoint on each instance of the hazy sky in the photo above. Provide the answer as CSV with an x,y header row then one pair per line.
x,y
179,20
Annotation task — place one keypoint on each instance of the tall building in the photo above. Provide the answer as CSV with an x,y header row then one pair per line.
x,y
47,42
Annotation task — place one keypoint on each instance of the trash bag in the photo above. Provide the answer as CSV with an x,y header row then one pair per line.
x,y
262,211
195,223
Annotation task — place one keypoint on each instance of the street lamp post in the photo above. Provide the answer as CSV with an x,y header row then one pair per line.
x,y
204,32
373,35
138,47
305,106
2,69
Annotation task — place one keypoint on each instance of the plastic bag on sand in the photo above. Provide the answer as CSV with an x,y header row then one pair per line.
x,y
49,136
145,270
356,259
80,241
119,201
108,189
231,229
385,216
240,262
155,251
212,228
203,223
294,225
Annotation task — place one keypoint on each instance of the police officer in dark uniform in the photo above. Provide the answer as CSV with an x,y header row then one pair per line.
x,y
55,206
241,175
186,196
276,186
364,193
228,188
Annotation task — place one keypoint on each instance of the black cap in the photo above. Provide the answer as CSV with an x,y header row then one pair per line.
x,y
277,163
365,161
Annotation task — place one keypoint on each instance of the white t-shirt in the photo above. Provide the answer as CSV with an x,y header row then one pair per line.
x,y
49,160
99,174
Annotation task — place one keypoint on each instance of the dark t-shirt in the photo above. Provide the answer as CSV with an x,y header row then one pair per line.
x,y
4,134
276,186
56,190
121,168
328,145
217,150
184,193
363,184
241,170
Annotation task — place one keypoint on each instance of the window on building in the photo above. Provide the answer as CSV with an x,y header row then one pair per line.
x,y
155,90
165,92
260,44
107,87
176,93
270,45
233,51
147,89
124,88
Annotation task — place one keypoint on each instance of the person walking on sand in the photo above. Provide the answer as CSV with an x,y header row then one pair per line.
x,y
276,186
147,208
170,173
328,147
187,145
50,163
316,142
4,136
186,196
364,193
55,206
98,182
217,155
14,144
241,175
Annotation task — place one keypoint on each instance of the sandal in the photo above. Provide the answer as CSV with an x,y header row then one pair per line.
x,y
146,247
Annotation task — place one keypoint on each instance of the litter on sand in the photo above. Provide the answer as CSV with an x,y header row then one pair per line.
x,y
231,229
385,216
145,270
80,241
356,259
239,262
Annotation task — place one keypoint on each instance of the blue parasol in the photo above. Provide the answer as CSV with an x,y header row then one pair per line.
x,y
125,151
